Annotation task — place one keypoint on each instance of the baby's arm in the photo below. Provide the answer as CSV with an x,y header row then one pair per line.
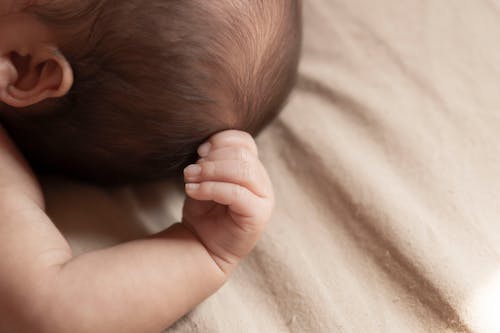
x,y
139,286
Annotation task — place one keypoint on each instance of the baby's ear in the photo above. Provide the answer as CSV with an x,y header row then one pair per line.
x,y
29,77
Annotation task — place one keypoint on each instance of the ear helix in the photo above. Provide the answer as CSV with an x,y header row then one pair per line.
x,y
47,74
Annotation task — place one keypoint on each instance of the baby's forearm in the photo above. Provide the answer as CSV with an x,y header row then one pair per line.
x,y
140,286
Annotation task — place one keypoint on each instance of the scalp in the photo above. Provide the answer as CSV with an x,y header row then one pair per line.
x,y
154,79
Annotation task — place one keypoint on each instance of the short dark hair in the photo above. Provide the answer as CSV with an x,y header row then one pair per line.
x,y
154,79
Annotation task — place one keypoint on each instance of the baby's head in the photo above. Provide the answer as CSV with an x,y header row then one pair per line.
x,y
152,80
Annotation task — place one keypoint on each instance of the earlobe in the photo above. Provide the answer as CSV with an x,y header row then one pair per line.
x,y
28,78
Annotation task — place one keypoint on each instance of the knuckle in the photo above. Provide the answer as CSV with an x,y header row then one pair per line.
x,y
207,169
246,136
223,136
243,154
251,142
246,170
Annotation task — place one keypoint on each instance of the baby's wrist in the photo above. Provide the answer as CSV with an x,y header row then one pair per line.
x,y
226,265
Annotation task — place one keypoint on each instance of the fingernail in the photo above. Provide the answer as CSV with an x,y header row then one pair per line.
x,y
204,149
193,170
192,187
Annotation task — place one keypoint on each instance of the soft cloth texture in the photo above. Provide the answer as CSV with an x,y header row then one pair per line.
x,y
387,174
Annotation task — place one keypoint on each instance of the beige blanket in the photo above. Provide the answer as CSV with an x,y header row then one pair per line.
x,y
386,168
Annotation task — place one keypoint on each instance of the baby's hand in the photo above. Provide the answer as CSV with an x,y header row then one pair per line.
x,y
230,197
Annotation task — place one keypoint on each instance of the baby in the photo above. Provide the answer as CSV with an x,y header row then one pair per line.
x,y
125,90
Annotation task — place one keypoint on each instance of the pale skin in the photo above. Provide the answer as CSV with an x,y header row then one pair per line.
x,y
140,286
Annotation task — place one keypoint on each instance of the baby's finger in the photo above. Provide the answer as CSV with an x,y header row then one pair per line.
x,y
239,199
230,153
230,138
249,174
